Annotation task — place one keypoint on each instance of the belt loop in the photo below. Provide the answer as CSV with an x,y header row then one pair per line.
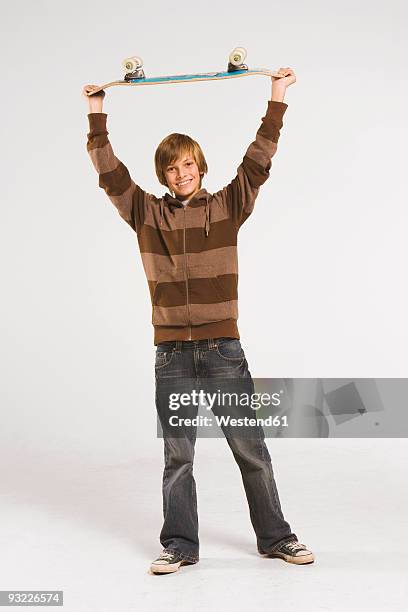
x,y
178,346
211,343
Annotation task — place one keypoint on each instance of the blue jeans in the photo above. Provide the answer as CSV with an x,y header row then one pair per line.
x,y
177,363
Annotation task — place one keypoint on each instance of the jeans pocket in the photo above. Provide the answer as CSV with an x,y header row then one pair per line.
x,y
163,359
230,349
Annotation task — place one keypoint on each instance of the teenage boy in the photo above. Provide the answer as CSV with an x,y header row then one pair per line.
x,y
188,244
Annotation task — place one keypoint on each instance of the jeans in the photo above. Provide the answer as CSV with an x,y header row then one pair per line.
x,y
177,363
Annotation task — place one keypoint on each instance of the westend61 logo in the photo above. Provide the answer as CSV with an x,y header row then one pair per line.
x,y
195,398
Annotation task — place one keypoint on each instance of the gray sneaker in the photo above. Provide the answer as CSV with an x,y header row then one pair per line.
x,y
292,552
168,562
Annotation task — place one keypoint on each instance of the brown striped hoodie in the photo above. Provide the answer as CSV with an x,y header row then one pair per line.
x,y
189,253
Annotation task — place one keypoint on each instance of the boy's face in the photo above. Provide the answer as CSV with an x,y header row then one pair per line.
x,y
183,177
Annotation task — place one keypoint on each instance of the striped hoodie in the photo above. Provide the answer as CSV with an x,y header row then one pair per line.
x,y
189,253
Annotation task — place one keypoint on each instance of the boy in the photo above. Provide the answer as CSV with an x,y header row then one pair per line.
x,y
188,244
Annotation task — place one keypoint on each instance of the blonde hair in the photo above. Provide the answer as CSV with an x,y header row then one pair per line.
x,y
171,148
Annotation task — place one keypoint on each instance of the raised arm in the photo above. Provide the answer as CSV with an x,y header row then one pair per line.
x,y
128,198
239,196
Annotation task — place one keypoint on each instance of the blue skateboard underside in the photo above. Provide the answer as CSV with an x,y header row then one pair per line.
x,y
189,77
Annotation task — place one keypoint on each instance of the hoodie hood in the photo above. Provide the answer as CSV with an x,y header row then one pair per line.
x,y
201,198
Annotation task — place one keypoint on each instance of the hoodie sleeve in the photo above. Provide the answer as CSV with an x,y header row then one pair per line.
x,y
128,198
239,196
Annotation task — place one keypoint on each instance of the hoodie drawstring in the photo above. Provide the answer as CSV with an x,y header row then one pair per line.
x,y
207,217
161,211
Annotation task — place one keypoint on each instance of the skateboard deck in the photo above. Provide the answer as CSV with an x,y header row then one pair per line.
x,y
135,76
187,78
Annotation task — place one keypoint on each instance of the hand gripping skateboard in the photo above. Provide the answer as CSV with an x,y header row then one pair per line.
x,y
135,76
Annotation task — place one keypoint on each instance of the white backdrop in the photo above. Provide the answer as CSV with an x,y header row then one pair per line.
x,y
329,225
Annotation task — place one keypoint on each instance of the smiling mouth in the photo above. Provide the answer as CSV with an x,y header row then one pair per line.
x,y
184,183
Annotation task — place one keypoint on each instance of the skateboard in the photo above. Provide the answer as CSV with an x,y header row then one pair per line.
x,y
135,76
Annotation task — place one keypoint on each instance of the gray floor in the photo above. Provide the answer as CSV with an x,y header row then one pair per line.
x,y
89,526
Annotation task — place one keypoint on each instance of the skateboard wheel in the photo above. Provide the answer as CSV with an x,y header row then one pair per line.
x,y
130,64
237,56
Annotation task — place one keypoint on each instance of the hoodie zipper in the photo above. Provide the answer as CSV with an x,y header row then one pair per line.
x,y
185,268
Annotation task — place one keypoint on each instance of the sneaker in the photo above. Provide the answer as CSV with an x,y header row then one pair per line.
x,y
167,563
292,552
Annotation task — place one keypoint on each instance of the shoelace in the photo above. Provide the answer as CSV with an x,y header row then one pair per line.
x,y
295,546
166,555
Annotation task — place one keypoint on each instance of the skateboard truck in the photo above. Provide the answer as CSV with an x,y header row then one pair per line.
x,y
133,66
236,60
